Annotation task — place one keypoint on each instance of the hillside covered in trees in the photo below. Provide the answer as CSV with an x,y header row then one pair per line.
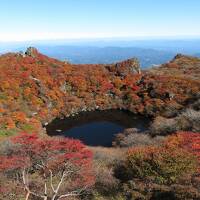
x,y
35,89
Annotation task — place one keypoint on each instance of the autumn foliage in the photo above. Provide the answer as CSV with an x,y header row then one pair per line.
x,y
176,157
47,167
36,89
186,140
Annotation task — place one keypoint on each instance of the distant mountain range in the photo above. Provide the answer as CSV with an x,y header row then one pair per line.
x,y
149,52
106,55
197,55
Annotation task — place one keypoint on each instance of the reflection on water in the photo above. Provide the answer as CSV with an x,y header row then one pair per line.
x,y
97,128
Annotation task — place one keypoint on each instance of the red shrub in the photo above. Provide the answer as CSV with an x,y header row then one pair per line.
x,y
65,163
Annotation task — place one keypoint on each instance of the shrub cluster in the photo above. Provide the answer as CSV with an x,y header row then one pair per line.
x,y
188,120
132,137
165,171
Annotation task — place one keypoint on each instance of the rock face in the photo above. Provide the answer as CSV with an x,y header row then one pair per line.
x,y
179,55
31,51
128,66
182,56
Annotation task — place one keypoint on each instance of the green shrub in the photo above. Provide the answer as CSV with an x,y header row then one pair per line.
x,y
163,165
27,127
3,96
97,196
5,132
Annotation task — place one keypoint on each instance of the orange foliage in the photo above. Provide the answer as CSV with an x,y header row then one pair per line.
x,y
52,88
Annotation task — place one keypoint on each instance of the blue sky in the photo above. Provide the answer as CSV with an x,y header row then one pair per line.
x,y
60,19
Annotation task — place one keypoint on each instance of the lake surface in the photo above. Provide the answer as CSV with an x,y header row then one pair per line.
x,y
97,128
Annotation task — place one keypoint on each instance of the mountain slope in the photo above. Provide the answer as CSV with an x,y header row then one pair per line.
x,y
35,89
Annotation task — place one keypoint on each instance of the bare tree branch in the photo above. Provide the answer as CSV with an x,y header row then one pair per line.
x,y
51,180
26,187
74,193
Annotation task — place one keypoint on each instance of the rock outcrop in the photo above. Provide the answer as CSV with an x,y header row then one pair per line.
x,y
31,51
128,66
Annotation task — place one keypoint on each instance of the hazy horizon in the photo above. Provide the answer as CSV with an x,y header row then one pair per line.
x,y
94,31
107,39
149,52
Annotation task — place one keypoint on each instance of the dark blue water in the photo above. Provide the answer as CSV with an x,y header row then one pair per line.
x,y
97,128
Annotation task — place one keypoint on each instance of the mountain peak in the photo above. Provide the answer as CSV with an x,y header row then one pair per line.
x,y
31,51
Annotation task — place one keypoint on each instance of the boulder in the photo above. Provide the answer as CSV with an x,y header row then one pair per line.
x,y
128,66
31,51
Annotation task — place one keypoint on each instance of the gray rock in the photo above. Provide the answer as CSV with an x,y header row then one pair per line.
x,y
31,51
128,66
